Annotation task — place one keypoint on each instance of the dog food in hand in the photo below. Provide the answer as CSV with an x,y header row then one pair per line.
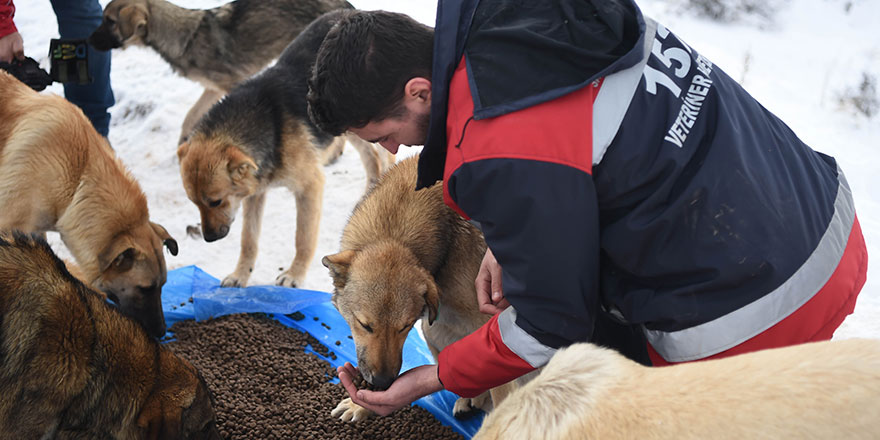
x,y
266,386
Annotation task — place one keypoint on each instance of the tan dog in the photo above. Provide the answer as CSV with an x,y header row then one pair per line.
x,y
260,136
822,390
217,47
406,256
58,174
72,366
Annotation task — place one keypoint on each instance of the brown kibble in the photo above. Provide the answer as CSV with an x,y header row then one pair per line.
x,y
266,386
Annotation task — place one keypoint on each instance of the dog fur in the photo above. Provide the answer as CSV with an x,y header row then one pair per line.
x,y
72,366
820,390
260,136
217,47
406,256
58,174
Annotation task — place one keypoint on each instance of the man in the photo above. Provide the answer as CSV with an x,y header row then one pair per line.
x,y
634,195
76,19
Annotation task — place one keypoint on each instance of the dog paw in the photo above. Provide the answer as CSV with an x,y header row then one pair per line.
x,y
233,281
464,409
287,280
349,411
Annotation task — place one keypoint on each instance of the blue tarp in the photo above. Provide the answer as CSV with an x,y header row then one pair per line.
x,y
210,300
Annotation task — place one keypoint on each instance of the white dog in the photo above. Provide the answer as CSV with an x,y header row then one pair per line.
x,y
822,390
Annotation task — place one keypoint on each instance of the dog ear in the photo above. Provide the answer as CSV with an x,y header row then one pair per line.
x,y
339,265
432,298
132,21
182,149
167,239
240,166
119,257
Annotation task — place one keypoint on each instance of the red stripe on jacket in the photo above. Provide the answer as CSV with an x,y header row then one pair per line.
x,y
562,128
558,131
478,362
819,317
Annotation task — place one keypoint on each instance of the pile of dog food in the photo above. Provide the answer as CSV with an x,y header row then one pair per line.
x,y
266,386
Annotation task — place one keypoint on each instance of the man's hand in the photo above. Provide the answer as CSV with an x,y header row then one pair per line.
x,y
11,46
409,387
490,295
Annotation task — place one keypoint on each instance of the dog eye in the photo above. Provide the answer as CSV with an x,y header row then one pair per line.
x,y
214,203
365,326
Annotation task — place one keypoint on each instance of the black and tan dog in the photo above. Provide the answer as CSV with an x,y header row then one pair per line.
x,y
821,390
58,174
260,136
217,47
406,256
72,366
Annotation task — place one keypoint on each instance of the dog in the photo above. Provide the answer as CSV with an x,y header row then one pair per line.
x,y
217,47
260,136
817,390
58,174
72,366
406,256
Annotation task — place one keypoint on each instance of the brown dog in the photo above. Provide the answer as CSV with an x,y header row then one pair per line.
x,y
406,256
217,47
74,367
58,174
821,390
260,136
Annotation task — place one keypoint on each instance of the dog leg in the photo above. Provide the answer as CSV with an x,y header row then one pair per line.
x,y
333,151
386,159
208,98
250,236
370,157
465,408
309,199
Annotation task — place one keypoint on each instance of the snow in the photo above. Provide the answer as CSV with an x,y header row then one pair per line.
x,y
796,65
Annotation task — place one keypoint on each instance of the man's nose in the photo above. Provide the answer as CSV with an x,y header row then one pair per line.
x,y
390,146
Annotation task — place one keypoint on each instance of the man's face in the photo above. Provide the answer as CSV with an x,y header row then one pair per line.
x,y
409,129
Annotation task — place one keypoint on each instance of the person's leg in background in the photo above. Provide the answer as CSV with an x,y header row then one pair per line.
x,y
78,19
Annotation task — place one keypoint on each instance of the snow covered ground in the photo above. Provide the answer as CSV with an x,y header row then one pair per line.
x,y
797,65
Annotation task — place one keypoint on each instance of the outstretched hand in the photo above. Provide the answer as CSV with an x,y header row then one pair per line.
x,y
490,294
408,387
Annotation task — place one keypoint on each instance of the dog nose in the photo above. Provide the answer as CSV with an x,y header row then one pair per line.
x,y
212,235
381,382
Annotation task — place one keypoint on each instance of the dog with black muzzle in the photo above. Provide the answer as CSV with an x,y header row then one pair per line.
x,y
58,174
406,256
217,47
73,367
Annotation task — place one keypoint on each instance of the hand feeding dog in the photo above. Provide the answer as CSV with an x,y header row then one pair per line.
x,y
260,136
819,390
58,174
72,366
406,256
217,47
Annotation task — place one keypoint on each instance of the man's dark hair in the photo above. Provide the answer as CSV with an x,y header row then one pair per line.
x,y
362,67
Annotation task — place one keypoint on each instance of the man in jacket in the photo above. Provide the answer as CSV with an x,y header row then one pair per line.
x,y
634,194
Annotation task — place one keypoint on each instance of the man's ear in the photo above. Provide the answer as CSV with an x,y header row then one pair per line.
x,y
417,91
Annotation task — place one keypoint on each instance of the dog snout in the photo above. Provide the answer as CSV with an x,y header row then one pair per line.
x,y
381,382
215,234
102,40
